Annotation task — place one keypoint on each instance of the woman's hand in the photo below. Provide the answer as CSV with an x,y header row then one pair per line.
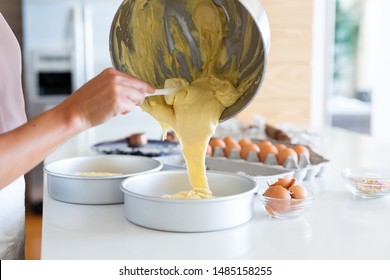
x,y
107,95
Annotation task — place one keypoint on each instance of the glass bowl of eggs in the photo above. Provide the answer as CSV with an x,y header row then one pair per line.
x,y
285,198
367,183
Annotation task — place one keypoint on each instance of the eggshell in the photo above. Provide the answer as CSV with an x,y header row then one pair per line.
x,y
285,182
246,149
277,191
298,192
285,153
266,150
282,199
300,149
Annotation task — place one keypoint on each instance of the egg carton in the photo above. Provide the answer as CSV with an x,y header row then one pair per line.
x,y
172,162
263,175
306,168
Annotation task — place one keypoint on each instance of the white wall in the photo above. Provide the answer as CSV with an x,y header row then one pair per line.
x,y
373,63
380,36
323,34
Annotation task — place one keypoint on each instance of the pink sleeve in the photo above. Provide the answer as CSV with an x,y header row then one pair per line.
x,y
12,110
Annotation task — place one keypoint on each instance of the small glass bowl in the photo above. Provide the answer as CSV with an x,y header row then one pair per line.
x,y
367,183
285,208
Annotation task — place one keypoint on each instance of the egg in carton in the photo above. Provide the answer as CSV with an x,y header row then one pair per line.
x,y
304,166
261,173
290,166
299,167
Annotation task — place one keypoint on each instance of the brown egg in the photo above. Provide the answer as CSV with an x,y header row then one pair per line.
x,y
229,140
298,192
246,149
280,146
217,142
266,150
283,196
171,137
244,141
137,140
300,149
264,143
231,144
209,151
285,153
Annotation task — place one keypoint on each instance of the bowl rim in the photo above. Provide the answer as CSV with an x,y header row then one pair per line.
x,y
309,198
46,168
253,189
350,173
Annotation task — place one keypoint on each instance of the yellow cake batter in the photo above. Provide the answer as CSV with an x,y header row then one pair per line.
x,y
193,112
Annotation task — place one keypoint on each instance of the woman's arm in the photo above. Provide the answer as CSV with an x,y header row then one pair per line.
x,y
107,95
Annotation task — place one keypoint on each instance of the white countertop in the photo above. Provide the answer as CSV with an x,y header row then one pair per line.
x,y
337,226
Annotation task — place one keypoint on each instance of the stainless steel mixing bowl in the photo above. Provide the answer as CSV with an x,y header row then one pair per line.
x,y
251,53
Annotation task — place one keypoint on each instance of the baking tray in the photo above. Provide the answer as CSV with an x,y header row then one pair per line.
x,y
154,148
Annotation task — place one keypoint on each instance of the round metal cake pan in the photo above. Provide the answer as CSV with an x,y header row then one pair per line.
x,y
65,183
146,206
